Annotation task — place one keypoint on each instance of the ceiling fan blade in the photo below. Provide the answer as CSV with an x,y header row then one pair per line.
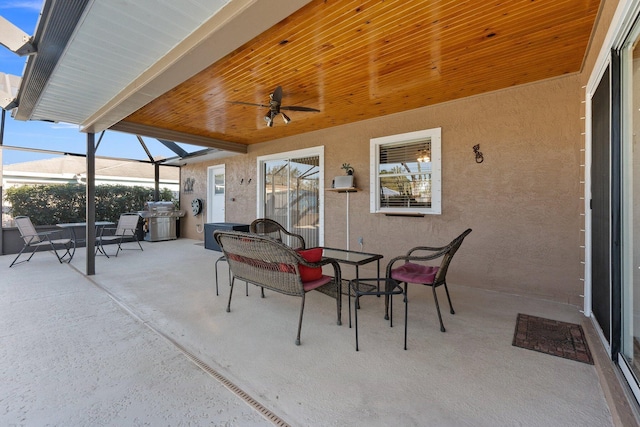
x,y
297,108
248,103
277,95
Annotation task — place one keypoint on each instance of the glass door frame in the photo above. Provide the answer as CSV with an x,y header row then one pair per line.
x,y
629,267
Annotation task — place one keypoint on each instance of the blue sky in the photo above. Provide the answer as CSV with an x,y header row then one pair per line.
x,y
57,136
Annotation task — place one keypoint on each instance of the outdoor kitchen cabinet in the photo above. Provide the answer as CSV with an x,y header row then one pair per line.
x,y
161,228
209,228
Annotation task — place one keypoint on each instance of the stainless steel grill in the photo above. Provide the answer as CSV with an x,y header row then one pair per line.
x,y
160,221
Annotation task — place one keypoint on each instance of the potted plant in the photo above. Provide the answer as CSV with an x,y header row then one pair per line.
x,y
347,168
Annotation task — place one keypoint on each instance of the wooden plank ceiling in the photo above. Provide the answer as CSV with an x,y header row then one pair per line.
x,y
355,60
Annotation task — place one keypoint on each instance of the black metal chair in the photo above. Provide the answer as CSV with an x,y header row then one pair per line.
x,y
434,276
126,229
34,240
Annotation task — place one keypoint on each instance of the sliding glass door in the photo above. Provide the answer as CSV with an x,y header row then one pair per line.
x,y
290,192
630,334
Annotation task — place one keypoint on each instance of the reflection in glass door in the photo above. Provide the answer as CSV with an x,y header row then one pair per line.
x,y
291,195
630,344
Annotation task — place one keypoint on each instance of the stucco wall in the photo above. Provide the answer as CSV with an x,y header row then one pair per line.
x,y
523,202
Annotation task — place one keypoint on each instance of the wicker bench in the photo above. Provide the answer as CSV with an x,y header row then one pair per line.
x,y
271,264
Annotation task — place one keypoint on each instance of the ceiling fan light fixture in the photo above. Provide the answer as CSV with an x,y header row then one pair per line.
x,y
275,100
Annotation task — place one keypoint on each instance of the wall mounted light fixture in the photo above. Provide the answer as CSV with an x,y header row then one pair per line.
x,y
478,153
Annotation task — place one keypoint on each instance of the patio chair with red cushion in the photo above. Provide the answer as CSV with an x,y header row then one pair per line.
x,y
34,240
414,269
270,228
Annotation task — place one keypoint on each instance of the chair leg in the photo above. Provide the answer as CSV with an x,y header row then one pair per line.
x,y
300,321
435,298
70,250
350,312
20,253
55,252
356,315
216,268
391,311
230,293
100,248
387,298
222,258
386,307
339,301
119,248
449,298
66,257
406,316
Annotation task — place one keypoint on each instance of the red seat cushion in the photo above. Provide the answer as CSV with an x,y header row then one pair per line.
x,y
414,273
309,274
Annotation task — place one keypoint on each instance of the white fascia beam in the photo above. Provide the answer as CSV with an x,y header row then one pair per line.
x,y
14,39
9,85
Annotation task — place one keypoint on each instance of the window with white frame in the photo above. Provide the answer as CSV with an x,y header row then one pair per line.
x,y
406,173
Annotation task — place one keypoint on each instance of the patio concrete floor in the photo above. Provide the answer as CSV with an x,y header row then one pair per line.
x,y
145,341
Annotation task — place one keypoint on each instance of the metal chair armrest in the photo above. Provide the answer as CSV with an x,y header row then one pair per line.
x,y
408,258
426,248
102,229
41,234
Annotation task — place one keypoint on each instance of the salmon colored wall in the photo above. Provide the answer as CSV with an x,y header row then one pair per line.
x,y
523,202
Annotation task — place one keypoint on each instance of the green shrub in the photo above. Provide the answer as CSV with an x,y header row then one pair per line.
x,y
53,204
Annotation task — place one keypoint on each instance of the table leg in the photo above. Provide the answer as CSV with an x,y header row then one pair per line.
x,y
72,236
99,230
386,304
357,304
378,278
339,300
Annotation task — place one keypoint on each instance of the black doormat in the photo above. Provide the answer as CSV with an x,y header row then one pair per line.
x,y
553,337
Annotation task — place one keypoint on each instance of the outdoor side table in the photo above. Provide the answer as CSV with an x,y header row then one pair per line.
x,y
367,287
348,257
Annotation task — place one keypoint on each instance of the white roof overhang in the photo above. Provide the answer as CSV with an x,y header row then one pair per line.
x,y
100,61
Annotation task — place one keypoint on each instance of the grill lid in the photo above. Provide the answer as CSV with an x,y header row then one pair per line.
x,y
159,206
155,209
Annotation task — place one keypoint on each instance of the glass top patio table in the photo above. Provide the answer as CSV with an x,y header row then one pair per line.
x,y
349,257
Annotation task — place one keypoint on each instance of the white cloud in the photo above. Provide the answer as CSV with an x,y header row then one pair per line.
x,y
63,125
32,5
